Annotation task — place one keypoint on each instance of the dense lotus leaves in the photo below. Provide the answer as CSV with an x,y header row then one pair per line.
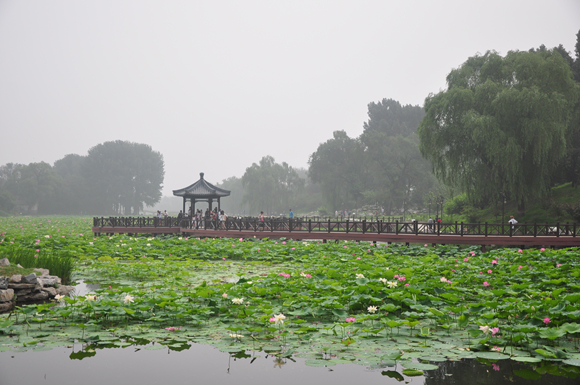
x,y
342,302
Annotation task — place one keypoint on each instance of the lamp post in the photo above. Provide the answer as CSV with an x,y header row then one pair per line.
x,y
503,202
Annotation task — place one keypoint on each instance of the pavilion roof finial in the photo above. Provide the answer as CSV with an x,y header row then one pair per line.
x,y
201,175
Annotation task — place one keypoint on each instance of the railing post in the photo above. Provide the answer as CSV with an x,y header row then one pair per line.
x,y
461,227
485,229
455,227
364,223
396,227
558,230
310,225
379,226
438,228
328,228
574,228
416,227
290,225
271,225
535,229
347,226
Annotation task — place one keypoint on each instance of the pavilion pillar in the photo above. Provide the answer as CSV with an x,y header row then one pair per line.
x,y
219,207
183,206
209,201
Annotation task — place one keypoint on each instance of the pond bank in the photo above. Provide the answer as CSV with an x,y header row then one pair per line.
x,y
18,289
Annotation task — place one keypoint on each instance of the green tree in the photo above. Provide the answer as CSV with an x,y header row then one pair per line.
x,y
399,173
270,185
33,185
339,166
74,191
234,203
500,125
122,176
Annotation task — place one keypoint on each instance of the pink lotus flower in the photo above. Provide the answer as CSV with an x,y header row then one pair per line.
x,y
558,265
520,251
357,257
453,270
466,259
406,284
546,320
494,262
542,249
489,271
292,248
486,284
283,242
401,278
241,239
494,365
425,245
344,247
233,245
456,265
172,328
351,319
520,267
494,330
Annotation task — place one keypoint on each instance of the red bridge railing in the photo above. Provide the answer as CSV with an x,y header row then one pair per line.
x,y
345,226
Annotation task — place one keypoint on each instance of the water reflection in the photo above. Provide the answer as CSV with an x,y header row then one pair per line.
x,y
502,372
151,364
83,288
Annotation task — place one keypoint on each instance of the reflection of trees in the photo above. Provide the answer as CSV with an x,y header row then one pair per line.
x,y
473,372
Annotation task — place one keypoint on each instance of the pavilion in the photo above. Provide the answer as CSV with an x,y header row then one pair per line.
x,y
201,191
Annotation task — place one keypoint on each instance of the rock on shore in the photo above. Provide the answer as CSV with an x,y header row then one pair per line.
x,y
18,289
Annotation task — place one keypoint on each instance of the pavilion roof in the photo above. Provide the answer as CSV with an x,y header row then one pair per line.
x,y
201,189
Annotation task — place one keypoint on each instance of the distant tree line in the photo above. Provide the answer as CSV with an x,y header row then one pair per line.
x,y
113,178
506,127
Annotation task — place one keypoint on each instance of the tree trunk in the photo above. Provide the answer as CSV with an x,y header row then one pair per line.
x,y
522,207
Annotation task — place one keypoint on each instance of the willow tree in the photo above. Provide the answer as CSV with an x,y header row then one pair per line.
x,y
500,125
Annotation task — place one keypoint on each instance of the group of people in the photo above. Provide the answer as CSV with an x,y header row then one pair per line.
x,y
200,218
161,215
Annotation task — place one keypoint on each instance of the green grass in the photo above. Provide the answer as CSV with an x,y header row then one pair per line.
x,y
60,264
8,271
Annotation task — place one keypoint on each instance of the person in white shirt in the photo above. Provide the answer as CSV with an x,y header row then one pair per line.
x,y
512,222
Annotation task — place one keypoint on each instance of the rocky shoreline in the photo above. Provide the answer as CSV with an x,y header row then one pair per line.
x,y
19,290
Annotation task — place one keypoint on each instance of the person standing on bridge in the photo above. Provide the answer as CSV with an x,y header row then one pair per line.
x,y
291,213
512,222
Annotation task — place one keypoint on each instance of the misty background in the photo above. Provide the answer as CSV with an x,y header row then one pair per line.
x,y
221,87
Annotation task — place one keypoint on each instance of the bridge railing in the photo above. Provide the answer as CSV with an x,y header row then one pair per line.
x,y
346,226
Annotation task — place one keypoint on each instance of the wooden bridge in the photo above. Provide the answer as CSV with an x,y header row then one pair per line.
x,y
483,234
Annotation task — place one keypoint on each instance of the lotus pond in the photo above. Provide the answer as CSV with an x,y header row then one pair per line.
x,y
396,311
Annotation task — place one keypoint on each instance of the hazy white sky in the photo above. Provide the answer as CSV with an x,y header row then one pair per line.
x,y
216,85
